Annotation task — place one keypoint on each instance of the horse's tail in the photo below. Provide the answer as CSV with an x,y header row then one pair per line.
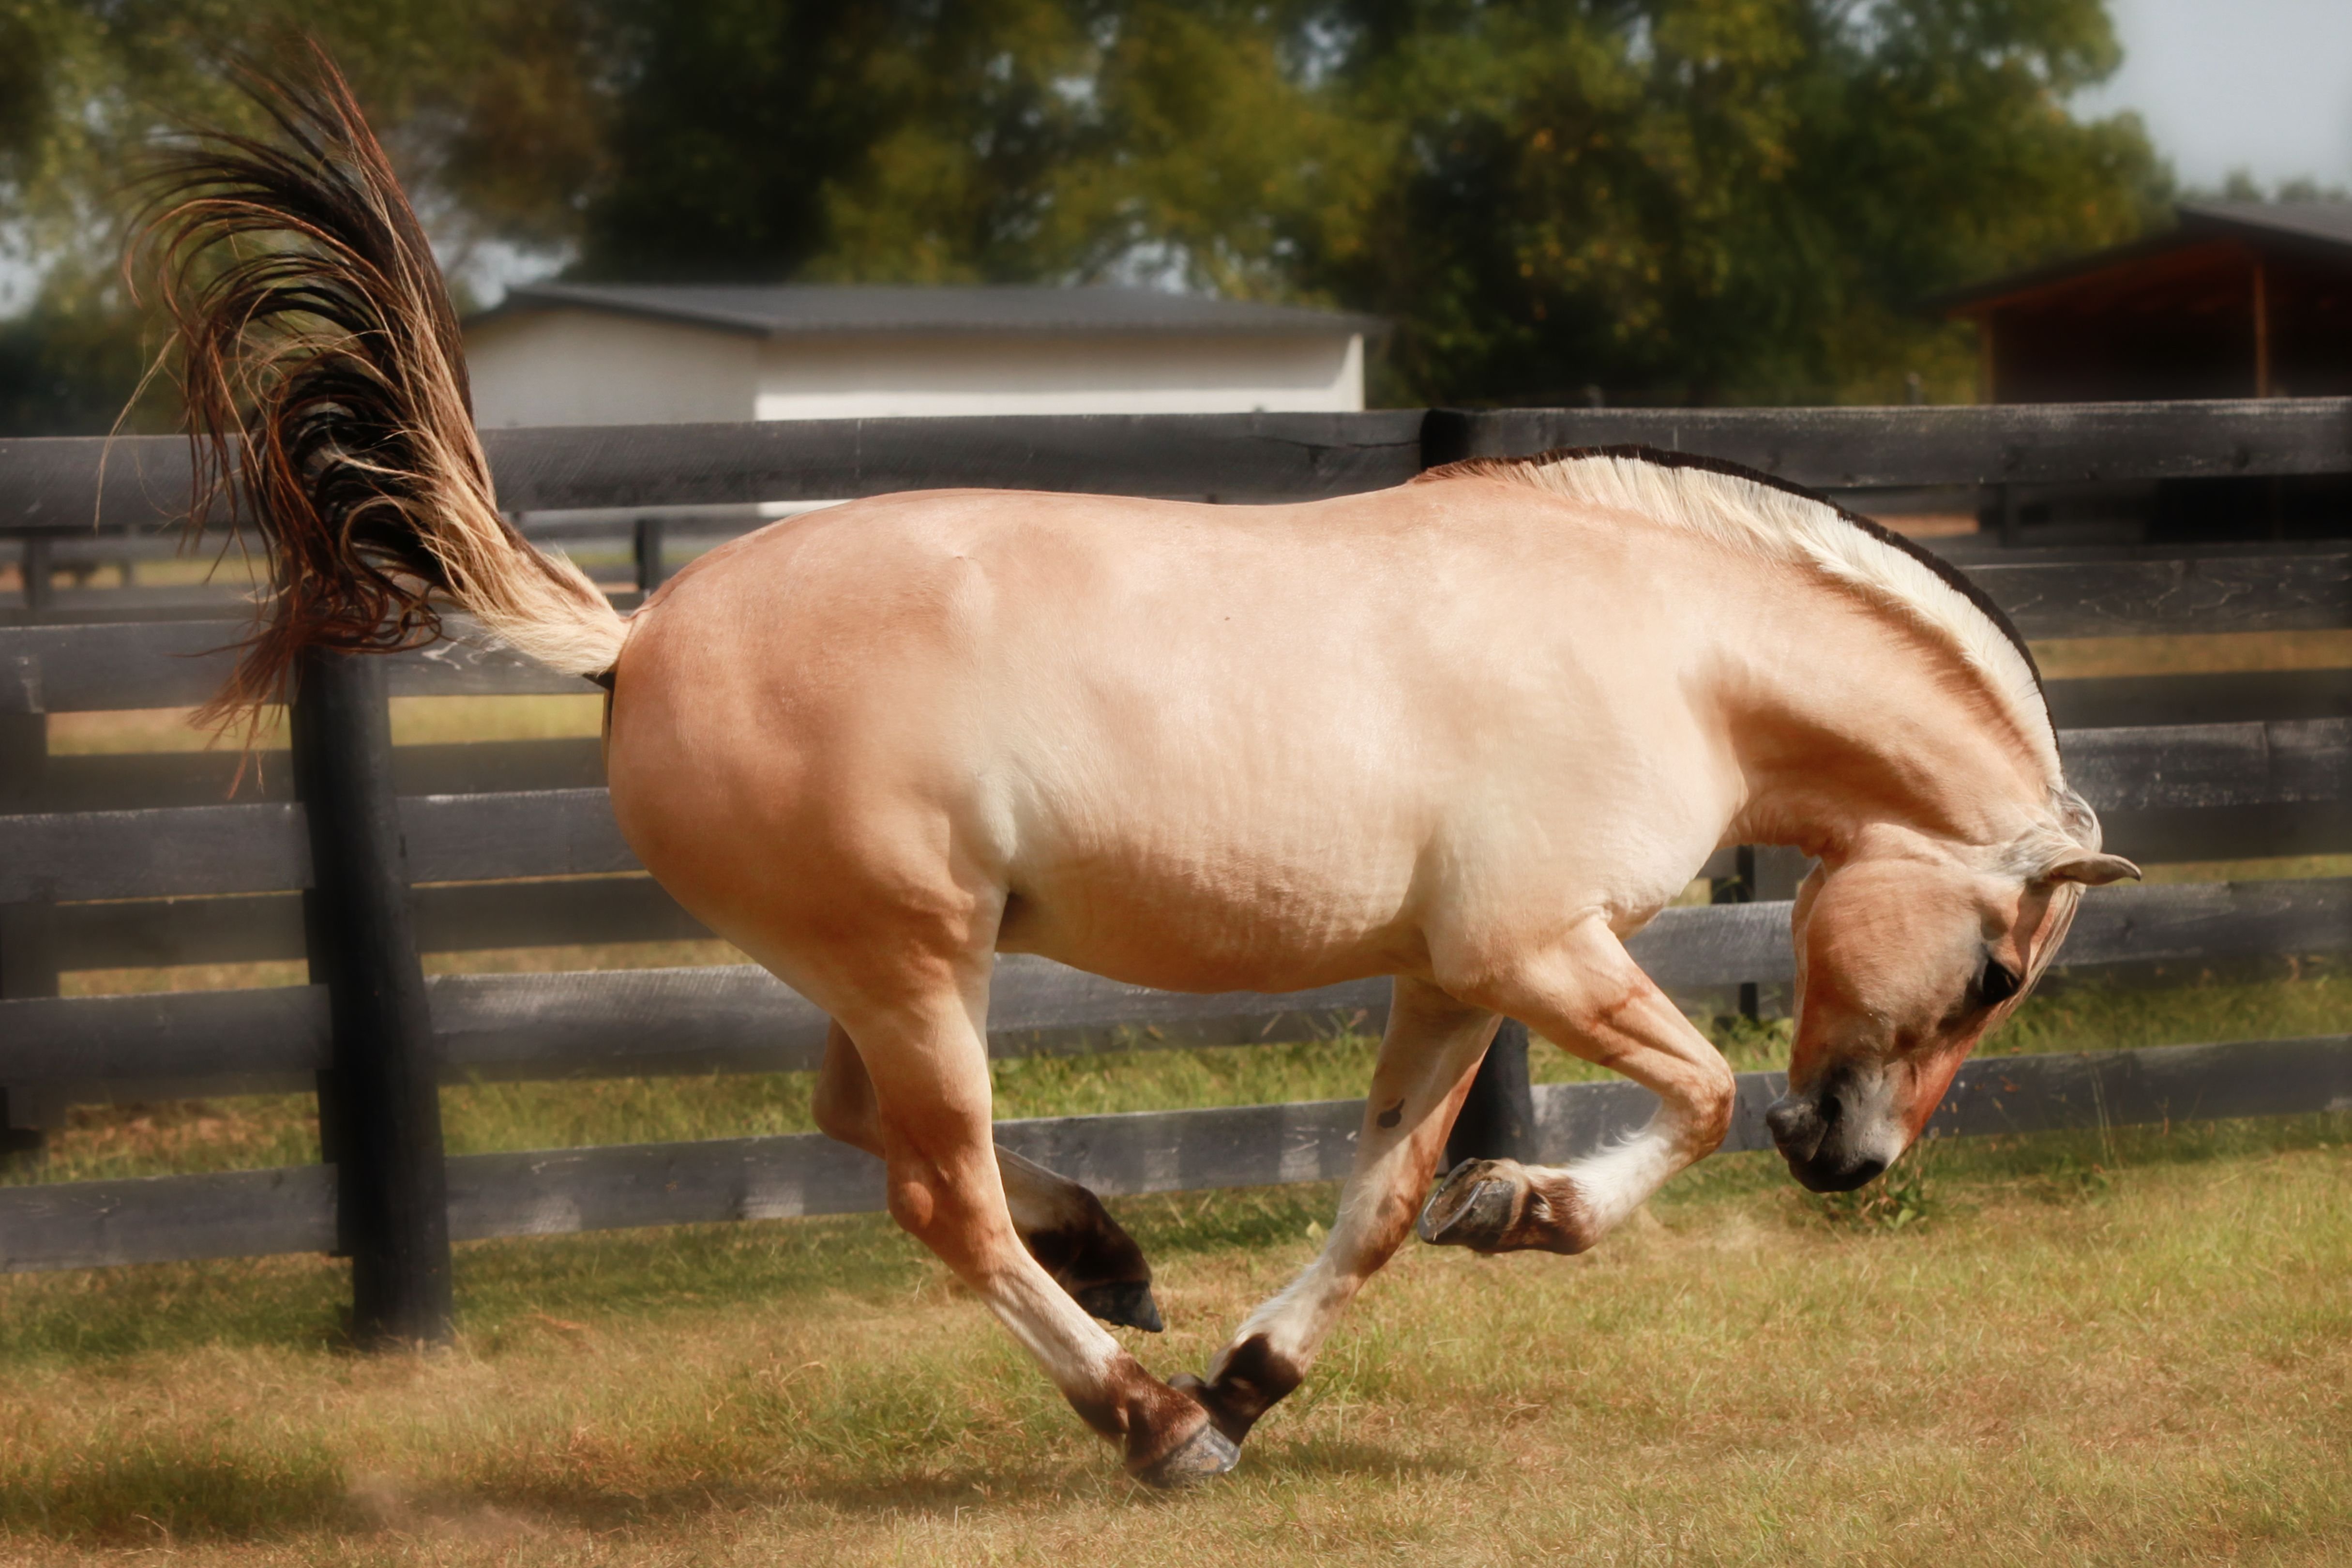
x,y
314,324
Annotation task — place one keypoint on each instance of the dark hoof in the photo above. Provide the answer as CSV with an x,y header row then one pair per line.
x,y
1254,1380
1475,1207
1203,1455
1127,1303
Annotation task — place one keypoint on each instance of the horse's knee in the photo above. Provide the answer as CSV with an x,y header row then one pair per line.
x,y
1713,1100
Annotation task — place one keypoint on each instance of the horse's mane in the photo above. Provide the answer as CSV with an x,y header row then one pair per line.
x,y
1761,515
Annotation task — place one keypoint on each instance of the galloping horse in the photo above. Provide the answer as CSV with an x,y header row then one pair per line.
x,y
1469,732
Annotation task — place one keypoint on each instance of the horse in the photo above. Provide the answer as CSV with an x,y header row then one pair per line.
x,y
1469,734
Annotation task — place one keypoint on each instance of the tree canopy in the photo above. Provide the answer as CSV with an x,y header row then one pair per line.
x,y
1667,200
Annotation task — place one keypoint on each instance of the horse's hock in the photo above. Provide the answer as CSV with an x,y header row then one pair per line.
x,y
138,861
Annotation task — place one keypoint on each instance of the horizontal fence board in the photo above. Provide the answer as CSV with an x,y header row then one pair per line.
x,y
1233,457
1862,448
2229,833
98,667
2195,766
53,857
2202,594
2139,701
53,484
554,1192
644,1021
450,918
492,836
209,1041
167,1219
183,850
138,780
527,833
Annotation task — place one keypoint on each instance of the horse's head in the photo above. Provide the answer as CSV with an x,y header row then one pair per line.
x,y
1908,949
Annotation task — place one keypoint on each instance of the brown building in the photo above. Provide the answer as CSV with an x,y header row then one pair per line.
x,y
2241,299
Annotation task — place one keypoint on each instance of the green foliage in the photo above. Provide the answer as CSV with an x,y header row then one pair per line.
x,y
1672,200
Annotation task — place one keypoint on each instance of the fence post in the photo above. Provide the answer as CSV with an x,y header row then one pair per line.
x,y
28,964
1497,1121
646,546
379,1103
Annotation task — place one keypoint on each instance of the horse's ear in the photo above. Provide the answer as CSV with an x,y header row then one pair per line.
x,y
2093,870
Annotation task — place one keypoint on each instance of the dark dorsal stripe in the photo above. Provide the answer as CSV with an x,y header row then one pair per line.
x,y
1634,452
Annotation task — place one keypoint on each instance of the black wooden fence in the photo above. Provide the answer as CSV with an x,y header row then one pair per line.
x,y
136,861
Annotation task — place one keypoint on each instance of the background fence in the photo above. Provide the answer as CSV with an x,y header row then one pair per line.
x,y
373,853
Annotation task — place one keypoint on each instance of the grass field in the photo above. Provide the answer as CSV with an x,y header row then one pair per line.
x,y
2120,1347
2082,1349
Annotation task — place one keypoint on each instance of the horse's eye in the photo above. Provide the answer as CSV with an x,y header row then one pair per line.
x,y
1996,984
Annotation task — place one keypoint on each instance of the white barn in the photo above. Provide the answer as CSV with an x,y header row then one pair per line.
x,y
568,353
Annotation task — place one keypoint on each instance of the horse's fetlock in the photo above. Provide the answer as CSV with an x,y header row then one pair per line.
x,y
1170,1438
1251,1378
1500,1206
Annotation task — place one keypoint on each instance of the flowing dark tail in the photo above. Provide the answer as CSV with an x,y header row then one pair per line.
x,y
325,378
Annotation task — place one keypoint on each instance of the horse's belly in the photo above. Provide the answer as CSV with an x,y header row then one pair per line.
x,y
1237,923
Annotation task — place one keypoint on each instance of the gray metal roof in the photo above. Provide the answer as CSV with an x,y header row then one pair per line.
x,y
812,308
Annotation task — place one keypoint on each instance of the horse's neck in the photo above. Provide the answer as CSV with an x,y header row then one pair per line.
x,y
1842,716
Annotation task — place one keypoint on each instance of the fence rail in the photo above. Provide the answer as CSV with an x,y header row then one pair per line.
x,y
59,484
244,1213
108,862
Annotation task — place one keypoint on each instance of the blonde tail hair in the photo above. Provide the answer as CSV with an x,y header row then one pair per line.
x,y
325,380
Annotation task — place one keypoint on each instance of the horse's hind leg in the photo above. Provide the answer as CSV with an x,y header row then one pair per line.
x,y
1063,1226
1431,1048
930,1072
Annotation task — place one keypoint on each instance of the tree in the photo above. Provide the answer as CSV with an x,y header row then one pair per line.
x,y
1672,200
1710,200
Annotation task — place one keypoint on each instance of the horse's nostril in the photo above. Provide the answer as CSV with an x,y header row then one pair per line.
x,y
1795,1125
1832,1108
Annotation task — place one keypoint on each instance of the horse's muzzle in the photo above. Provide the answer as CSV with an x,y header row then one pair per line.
x,y
1817,1133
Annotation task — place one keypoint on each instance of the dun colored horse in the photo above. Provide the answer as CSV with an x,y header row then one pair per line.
x,y
1470,732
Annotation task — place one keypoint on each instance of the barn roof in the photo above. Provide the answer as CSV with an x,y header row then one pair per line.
x,y
793,310
2320,229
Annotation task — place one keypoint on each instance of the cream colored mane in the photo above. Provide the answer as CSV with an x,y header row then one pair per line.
x,y
1759,516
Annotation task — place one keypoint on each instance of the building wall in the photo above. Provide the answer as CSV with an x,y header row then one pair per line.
x,y
594,367
882,376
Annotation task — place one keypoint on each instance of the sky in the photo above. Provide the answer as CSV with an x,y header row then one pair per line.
x,y
2264,86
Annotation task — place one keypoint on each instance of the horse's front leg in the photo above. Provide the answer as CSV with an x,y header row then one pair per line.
x,y
1427,1057
1587,996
